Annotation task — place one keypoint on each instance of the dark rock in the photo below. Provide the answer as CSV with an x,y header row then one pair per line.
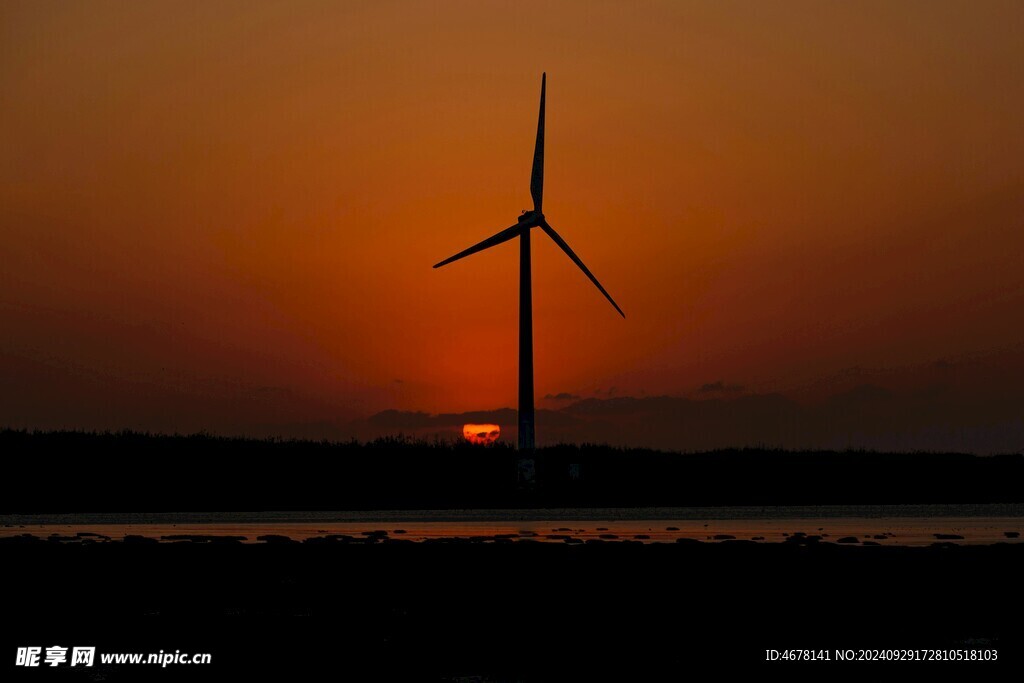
x,y
724,537
57,538
22,538
949,537
848,539
802,540
135,539
202,538
321,540
276,538
228,539
689,541
1011,534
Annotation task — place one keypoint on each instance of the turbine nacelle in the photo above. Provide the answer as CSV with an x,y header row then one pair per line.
x,y
531,218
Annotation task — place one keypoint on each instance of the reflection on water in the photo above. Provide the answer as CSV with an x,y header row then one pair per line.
x,y
883,525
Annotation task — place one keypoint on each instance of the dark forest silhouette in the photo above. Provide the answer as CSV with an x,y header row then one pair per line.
x,y
129,471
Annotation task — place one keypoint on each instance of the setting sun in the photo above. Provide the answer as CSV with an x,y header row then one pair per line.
x,y
486,433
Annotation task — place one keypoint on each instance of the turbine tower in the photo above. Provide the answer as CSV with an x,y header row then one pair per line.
x,y
527,221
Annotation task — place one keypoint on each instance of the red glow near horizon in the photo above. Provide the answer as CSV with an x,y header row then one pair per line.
x,y
482,433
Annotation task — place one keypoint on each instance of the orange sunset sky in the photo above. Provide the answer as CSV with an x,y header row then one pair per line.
x,y
223,215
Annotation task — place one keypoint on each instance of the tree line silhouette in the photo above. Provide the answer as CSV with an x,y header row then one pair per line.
x,y
74,471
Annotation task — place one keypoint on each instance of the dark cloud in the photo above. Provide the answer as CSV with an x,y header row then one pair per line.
x,y
270,391
871,417
930,415
973,404
677,423
720,387
865,395
400,419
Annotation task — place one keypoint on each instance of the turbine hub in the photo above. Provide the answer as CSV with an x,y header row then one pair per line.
x,y
531,218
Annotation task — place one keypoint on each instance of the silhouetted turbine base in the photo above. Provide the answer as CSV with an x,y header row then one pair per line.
x,y
526,410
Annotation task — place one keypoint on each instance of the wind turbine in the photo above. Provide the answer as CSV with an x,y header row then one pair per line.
x,y
527,221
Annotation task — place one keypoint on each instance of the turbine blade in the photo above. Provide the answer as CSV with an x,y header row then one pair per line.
x,y
576,259
503,236
537,177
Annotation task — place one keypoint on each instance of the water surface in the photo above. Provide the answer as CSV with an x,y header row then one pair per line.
x,y
910,525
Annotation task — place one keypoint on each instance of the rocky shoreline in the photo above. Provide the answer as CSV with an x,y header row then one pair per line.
x,y
385,608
